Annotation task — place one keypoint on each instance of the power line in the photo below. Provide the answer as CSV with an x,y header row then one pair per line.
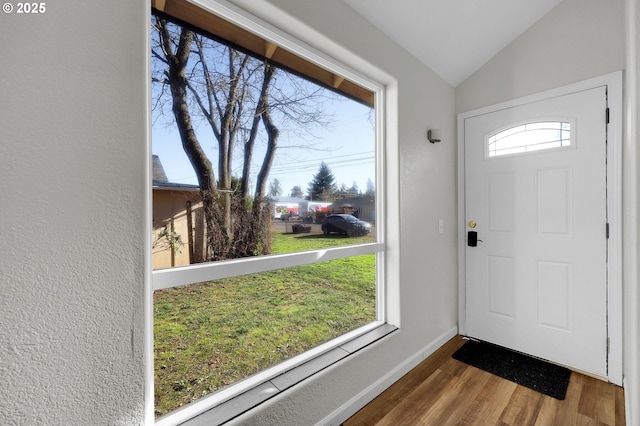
x,y
301,166
313,163
338,165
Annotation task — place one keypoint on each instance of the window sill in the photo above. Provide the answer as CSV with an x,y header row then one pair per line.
x,y
266,390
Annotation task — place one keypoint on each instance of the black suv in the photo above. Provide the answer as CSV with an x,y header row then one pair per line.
x,y
345,224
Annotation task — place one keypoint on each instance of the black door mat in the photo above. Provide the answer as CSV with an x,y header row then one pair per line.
x,y
541,376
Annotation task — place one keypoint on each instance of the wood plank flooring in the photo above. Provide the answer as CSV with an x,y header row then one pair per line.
x,y
443,391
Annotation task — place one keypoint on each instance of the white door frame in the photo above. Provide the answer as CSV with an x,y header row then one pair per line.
x,y
613,82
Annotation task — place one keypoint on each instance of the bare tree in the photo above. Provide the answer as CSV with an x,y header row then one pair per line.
x,y
239,98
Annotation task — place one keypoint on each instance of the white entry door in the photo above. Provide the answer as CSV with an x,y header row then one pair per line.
x,y
535,195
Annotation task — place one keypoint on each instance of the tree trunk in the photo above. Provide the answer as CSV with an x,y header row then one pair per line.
x,y
272,133
197,157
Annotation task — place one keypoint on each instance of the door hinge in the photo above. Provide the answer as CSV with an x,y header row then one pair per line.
x,y
608,344
607,231
607,115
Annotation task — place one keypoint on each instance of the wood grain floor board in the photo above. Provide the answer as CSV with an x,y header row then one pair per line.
x,y
598,401
523,407
490,404
441,391
620,412
419,403
397,392
562,412
461,394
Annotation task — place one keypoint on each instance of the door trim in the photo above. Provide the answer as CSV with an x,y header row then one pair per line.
x,y
613,82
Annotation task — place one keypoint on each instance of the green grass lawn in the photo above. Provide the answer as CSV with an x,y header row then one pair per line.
x,y
213,334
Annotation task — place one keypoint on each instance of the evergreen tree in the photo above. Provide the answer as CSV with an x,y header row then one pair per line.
x,y
296,192
370,188
323,186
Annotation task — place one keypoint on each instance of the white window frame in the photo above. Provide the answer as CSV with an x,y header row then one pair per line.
x,y
387,265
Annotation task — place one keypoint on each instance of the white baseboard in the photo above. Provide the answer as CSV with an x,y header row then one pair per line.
x,y
367,395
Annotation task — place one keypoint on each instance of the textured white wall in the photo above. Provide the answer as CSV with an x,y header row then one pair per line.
x,y
72,154
577,40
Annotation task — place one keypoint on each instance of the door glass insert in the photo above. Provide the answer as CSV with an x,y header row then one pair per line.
x,y
530,137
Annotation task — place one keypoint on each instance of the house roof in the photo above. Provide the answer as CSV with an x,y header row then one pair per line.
x,y
159,176
290,200
160,180
175,186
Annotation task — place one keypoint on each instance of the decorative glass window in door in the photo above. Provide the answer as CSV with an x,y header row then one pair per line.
x,y
530,137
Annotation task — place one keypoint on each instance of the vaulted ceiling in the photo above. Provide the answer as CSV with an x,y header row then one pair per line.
x,y
453,37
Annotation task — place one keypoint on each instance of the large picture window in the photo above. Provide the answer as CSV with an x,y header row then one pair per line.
x,y
267,207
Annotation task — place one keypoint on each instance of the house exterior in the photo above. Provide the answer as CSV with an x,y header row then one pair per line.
x,y
361,206
177,208
76,267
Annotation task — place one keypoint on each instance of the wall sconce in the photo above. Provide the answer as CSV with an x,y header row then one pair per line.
x,y
434,135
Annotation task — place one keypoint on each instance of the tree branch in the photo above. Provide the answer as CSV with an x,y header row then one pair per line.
x,y
210,90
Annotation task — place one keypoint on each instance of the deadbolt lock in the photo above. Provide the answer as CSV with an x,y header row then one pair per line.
x,y
472,224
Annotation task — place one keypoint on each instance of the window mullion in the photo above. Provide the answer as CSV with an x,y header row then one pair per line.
x,y
192,274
